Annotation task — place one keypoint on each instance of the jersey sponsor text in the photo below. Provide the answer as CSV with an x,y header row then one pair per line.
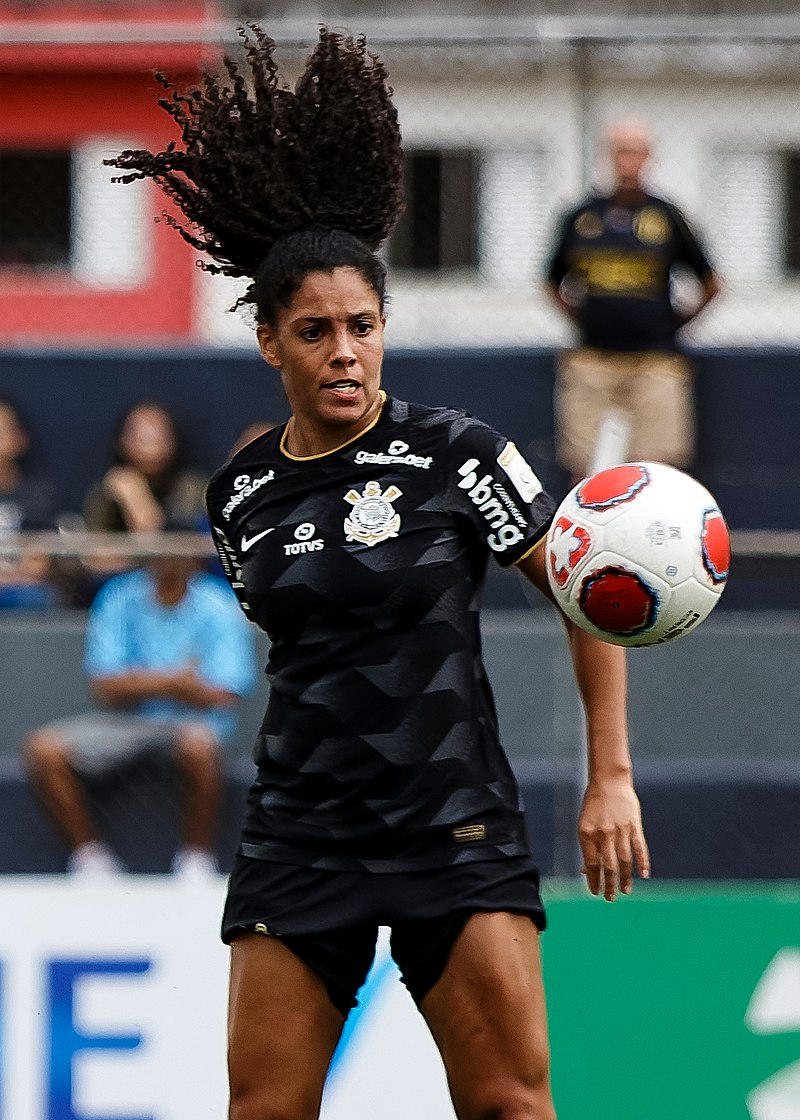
x,y
480,491
397,454
245,487
303,542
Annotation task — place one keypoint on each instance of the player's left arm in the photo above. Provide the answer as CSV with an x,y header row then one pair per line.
x,y
610,828
691,252
710,286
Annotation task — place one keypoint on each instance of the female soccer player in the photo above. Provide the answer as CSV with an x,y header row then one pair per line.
x,y
357,535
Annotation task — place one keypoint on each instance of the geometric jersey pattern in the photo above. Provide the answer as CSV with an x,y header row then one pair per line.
x,y
379,749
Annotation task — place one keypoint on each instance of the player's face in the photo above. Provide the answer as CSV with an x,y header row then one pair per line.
x,y
13,440
630,151
328,346
147,439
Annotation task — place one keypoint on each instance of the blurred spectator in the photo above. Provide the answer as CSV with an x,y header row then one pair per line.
x,y
168,656
27,502
147,488
625,393
148,484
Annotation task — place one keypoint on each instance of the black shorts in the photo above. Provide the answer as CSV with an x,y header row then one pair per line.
x,y
330,919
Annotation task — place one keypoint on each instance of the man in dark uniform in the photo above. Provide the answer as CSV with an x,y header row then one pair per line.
x,y
625,392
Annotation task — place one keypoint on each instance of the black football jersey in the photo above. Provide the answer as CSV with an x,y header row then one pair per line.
x,y
379,749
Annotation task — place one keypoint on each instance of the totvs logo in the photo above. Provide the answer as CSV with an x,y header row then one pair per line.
x,y
303,540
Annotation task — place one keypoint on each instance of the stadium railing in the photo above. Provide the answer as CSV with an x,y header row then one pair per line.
x,y
711,718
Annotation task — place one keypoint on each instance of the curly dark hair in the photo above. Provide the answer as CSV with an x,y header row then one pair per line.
x,y
275,182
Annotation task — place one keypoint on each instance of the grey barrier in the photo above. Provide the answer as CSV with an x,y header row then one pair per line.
x,y
713,726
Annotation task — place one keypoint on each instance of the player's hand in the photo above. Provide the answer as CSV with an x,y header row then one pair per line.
x,y
183,684
124,483
130,490
612,838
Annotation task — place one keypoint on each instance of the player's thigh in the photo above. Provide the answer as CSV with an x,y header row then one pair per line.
x,y
488,1016
282,1032
587,384
662,406
97,742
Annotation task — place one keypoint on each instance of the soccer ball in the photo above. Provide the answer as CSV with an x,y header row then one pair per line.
x,y
638,554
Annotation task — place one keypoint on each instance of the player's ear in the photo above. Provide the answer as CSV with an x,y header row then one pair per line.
x,y
268,345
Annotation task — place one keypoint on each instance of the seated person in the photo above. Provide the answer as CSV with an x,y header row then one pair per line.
x,y
146,488
27,502
147,484
168,656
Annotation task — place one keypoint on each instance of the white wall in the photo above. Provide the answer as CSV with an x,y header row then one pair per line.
x,y
716,154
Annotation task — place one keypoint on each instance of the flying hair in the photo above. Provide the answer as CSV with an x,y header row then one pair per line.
x,y
259,162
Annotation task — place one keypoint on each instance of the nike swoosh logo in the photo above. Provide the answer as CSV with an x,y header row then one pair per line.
x,y
246,544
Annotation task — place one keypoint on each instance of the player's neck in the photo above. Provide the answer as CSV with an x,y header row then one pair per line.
x,y
171,589
305,438
629,194
10,474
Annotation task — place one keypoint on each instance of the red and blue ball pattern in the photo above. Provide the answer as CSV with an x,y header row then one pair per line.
x,y
716,546
618,601
613,487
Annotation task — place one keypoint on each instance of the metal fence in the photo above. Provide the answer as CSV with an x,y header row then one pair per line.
x,y
503,121
711,716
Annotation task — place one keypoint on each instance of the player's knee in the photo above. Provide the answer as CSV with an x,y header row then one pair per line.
x,y
510,1099
196,745
43,750
260,1104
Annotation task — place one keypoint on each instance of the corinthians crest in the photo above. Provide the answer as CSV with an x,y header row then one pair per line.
x,y
373,518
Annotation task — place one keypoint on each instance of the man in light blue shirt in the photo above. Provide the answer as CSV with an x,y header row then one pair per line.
x,y
168,656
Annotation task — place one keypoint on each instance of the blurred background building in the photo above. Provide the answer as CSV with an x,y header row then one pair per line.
x,y
502,107
501,112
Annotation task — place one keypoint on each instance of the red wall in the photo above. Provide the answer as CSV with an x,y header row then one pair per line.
x,y
54,97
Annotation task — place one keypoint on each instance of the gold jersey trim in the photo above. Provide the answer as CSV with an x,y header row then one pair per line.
x,y
467,832
531,550
333,450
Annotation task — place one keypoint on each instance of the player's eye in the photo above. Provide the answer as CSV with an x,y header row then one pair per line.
x,y
311,334
363,327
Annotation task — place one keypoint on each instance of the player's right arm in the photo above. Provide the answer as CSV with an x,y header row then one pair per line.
x,y
223,533
558,269
610,827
